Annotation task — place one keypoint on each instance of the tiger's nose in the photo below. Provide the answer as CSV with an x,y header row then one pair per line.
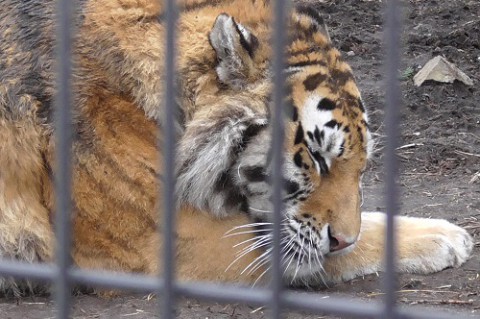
x,y
337,242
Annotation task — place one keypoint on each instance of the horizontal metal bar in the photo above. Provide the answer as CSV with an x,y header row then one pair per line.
x,y
224,293
309,302
420,313
117,280
331,305
355,308
22,270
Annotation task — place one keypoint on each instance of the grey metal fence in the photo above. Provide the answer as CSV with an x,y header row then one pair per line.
x,y
279,299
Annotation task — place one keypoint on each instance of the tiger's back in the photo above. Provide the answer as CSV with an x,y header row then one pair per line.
x,y
116,164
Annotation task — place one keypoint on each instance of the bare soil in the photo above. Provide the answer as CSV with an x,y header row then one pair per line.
x,y
439,154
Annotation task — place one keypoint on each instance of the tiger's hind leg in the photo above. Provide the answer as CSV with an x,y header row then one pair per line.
x,y
424,246
25,231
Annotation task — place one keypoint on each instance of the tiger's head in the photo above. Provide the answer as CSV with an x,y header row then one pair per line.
x,y
327,141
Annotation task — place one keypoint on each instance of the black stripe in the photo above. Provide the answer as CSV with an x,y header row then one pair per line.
x,y
332,124
291,186
312,13
321,162
117,169
360,134
318,135
307,63
340,77
297,159
313,81
302,33
201,5
299,135
360,105
255,173
291,110
112,197
342,149
303,52
326,105
232,194
192,7
245,44
251,131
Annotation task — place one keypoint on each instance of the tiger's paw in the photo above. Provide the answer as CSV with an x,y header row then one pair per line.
x,y
434,244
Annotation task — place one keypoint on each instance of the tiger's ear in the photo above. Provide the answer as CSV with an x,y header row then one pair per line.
x,y
235,47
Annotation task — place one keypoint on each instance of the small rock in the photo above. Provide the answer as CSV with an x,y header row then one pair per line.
x,y
350,53
440,70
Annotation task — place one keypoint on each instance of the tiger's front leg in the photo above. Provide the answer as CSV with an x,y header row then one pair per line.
x,y
423,246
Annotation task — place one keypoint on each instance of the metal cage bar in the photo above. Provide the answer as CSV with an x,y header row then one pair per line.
x,y
64,276
310,302
168,227
278,136
393,104
63,129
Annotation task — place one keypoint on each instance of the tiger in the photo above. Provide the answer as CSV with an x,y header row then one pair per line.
x,y
223,166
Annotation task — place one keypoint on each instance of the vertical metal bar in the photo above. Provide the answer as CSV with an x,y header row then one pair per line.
x,y
168,227
393,100
278,132
63,118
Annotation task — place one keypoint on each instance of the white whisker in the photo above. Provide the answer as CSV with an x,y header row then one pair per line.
x,y
261,275
251,239
300,256
238,172
254,246
288,265
240,255
254,231
252,225
321,269
259,259
264,257
297,267
309,249
248,226
261,242
259,265
287,248
259,210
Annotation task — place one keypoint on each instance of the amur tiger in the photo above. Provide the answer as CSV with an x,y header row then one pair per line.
x,y
223,168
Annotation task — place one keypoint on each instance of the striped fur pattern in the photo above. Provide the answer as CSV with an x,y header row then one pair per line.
x,y
223,163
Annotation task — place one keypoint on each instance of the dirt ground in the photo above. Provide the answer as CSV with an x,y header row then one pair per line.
x,y
440,159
